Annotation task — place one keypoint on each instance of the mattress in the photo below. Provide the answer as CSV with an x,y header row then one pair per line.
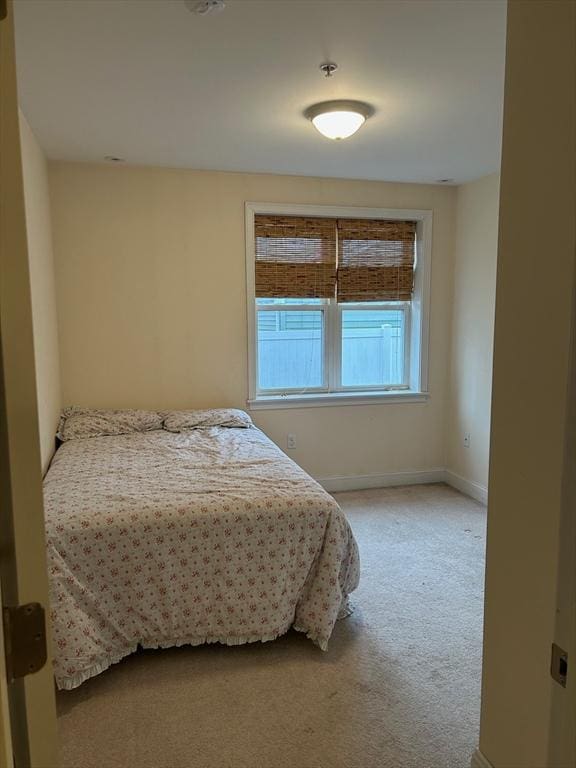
x,y
162,539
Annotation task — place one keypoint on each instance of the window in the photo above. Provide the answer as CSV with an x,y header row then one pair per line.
x,y
373,346
338,304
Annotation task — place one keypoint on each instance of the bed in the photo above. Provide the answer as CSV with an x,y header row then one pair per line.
x,y
201,534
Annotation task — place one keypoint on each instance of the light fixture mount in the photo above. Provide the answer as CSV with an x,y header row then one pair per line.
x,y
340,118
204,7
328,68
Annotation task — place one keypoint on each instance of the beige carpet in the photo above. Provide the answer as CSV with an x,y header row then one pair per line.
x,y
398,688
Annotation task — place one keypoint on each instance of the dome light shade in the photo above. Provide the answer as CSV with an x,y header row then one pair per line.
x,y
338,125
338,119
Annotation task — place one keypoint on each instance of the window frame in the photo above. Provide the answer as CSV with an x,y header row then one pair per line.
x,y
336,345
416,352
324,309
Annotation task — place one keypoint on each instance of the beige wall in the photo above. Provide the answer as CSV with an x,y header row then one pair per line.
x,y
472,333
39,233
531,432
150,267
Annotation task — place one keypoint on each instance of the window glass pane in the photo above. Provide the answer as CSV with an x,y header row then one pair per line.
x,y
372,347
290,302
389,304
290,349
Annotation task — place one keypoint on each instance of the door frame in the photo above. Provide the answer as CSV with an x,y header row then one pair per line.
x,y
28,704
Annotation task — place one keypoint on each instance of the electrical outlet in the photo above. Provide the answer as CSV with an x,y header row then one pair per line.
x,y
467,440
291,442
559,665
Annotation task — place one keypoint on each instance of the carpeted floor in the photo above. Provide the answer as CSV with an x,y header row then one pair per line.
x,y
398,688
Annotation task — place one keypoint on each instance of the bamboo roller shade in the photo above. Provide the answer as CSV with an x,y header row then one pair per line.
x,y
296,257
375,260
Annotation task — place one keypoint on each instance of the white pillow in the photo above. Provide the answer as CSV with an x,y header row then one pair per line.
x,y
77,423
178,421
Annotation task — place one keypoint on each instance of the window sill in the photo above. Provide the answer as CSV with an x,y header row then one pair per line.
x,y
316,400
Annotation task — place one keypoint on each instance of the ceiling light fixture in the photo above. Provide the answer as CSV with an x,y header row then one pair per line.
x,y
339,119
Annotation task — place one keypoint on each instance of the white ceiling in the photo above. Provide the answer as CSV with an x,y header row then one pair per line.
x,y
150,82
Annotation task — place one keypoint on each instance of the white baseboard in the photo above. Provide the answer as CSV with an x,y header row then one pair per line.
x,y
414,477
361,482
479,761
475,490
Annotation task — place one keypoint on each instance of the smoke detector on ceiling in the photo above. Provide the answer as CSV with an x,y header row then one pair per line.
x,y
204,7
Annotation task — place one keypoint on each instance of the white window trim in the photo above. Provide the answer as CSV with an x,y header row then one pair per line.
x,y
417,390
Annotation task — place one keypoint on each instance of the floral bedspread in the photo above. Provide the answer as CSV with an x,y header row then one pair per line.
x,y
211,535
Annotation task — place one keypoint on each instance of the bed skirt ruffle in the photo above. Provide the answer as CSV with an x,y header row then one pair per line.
x,y
69,683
